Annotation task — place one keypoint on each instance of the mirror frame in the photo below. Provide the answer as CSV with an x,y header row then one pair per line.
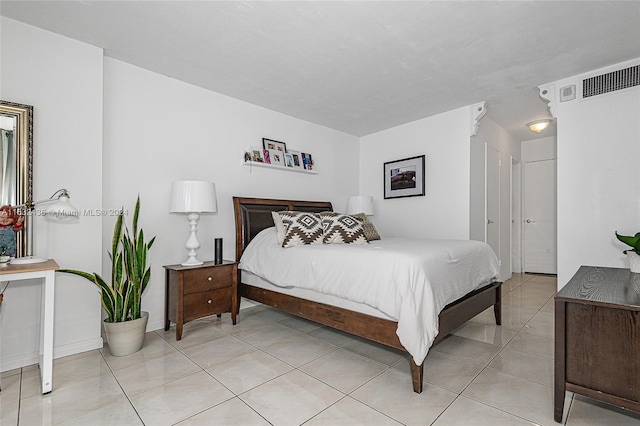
x,y
24,179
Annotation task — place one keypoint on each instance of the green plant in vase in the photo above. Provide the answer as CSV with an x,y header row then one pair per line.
x,y
633,254
130,274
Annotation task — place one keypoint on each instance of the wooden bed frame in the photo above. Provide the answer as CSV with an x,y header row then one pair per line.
x,y
252,215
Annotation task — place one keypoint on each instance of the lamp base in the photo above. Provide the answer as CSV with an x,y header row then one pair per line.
x,y
26,260
192,262
192,243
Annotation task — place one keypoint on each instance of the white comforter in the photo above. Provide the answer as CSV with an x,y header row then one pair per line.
x,y
409,280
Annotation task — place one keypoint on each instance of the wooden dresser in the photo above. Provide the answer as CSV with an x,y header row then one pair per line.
x,y
194,292
597,338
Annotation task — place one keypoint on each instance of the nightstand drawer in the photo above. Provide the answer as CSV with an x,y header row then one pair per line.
x,y
198,305
204,279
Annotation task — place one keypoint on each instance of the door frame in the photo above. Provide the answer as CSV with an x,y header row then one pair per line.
x,y
498,220
517,253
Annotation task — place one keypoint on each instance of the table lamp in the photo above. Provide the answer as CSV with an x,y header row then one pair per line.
x,y
59,208
193,197
360,204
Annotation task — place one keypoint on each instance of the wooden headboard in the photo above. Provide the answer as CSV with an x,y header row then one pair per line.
x,y
252,215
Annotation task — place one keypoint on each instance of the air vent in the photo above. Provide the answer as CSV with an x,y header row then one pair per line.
x,y
610,82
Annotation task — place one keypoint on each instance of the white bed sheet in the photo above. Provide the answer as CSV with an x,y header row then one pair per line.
x,y
409,280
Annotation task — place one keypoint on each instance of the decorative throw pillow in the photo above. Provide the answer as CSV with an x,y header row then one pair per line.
x,y
277,221
370,231
301,228
341,228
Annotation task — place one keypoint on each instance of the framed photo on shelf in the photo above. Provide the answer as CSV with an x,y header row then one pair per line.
x,y
307,161
275,145
276,157
256,155
404,178
266,156
288,159
297,160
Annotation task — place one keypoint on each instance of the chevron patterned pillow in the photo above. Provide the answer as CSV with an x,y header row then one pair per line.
x,y
341,228
370,231
301,228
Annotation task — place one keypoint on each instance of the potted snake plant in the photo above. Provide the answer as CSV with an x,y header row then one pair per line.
x,y
633,254
125,324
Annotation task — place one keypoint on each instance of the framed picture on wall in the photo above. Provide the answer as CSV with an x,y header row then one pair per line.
x,y
256,155
297,159
276,157
266,156
307,161
288,159
275,145
404,178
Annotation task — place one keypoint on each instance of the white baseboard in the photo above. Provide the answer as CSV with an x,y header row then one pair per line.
x,y
76,348
155,325
23,360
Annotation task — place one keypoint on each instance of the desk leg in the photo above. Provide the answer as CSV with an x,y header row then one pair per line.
x,y
46,332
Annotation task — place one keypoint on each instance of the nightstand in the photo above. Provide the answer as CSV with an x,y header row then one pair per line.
x,y
193,292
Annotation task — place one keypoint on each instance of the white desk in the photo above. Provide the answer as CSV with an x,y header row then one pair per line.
x,y
46,271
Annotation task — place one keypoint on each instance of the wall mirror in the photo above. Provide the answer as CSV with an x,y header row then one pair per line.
x,y
16,165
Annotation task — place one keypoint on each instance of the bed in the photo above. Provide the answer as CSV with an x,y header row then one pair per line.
x,y
253,215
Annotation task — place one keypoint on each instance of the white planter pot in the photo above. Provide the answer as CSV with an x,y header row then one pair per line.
x,y
126,337
634,261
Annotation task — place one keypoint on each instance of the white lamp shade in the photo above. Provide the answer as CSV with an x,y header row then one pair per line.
x,y
193,196
61,208
360,204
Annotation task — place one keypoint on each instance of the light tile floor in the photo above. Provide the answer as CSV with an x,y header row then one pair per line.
x,y
273,368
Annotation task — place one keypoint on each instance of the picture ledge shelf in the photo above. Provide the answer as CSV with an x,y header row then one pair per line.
x,y
274,166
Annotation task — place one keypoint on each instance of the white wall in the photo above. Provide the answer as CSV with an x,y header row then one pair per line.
x,y
539,149
444,211
493,135
598,176
158,130
62,79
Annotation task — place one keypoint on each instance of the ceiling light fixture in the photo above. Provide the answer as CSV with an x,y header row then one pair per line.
x,y
539,125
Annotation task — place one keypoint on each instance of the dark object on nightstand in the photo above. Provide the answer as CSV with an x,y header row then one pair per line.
x,y
193,292
218,251
597,338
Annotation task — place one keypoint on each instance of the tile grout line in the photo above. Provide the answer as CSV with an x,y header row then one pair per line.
x,y
498,353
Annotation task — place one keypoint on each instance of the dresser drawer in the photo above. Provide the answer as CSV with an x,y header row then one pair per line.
x,y
203,279
205,303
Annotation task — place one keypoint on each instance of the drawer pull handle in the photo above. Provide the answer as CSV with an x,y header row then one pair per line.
x,y
209,278
209,301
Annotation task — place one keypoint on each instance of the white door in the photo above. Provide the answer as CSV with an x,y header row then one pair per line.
x,y
540,217
493,200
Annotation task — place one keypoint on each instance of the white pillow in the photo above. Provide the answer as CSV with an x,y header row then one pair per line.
x,y
341,228
277,220
301,228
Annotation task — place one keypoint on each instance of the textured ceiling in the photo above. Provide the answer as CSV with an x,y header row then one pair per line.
x,y
358,67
